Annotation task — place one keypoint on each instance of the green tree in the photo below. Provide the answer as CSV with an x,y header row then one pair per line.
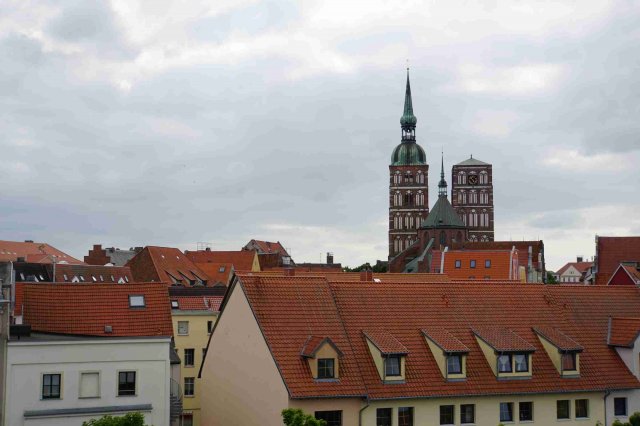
x,y
297,417
129,419
634,420
551,279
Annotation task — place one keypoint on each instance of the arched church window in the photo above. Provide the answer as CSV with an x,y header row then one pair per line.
x,y
484,177
408,178
408,199
473,238
484,238
443,238
395,245
462,178
398,199
473,197
420,177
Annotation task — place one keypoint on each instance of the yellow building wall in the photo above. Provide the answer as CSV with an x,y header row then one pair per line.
x,y
350,408
196,339
556,358
255,267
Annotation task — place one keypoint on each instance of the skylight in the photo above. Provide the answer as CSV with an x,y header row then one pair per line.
x,y
136,301
174,304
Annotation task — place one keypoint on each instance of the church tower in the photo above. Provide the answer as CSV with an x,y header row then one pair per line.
x,y
472,197
408,183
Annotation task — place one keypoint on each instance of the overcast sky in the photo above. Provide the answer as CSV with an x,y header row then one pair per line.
x,y
171,122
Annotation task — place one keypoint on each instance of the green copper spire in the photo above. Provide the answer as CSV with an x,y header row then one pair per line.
x,y
408,120
442,185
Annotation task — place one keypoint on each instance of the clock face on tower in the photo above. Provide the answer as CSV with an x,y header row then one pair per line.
x,y
473,180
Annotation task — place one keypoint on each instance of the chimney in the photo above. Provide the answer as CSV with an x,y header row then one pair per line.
x,y
289,272
97,247
28,241
366,276
329,258
579,259
207,249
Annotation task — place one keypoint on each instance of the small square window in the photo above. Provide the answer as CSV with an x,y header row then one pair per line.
x,y
221,269
51,386
136,301
189,355
467,414
458,264
383,416
506,411
89,384
454,364
126,383
504,363
563,409
569,361
189,386
326,368
405,416
522,363
174,304
620,406
525,411
447,414
472,264
392,366
183,328
487,263
582,408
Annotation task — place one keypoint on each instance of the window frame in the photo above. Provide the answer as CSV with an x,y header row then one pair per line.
x,y
575,405
386,363
615,407
510,412
209,327
458,264
568,405
42,385
451,415
515,363
510,363
487,264
472,264
332,362
574,359
331,422
520,411
133,297
192,351
452,356
193,387
386,419
99,384
178,328
406,421
463,414
135,376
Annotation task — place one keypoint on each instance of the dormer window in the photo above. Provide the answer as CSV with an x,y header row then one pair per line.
x,y
392,366
569,361
563,351
449,352
504,363
508,354
521,362
326,368
323,357
388,354
454,364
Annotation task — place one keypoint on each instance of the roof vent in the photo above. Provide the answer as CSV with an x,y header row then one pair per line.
x,y
108,329
28,241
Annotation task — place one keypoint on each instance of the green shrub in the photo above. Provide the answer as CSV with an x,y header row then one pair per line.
x,y
634,420
297,417
129,419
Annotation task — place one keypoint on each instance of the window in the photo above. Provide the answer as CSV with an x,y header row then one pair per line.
x,y
454,364
467,414
487,263
187,420
392,366
620,406
582,408
458,264
326,368
522,363
136,301
472,263
183,328
569,361
506,411
126,383
504,363
563,409
174,304
525,411
405,416
209,326
189,386
51,386
189,355
221,269
333,418
383,416
89,384
447,414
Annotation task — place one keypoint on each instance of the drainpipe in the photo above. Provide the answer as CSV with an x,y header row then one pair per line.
x,y
446,249
607,392
364,408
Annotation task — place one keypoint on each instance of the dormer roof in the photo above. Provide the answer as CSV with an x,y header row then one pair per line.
x,y
445,340
559,339
623,331
503,340
314,343
386,343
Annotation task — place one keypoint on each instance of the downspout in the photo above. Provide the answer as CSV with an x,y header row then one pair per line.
x,y
607,392
511,263
442,259
361,410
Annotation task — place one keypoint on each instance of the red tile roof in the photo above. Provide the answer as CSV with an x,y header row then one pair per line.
x,y
267,247
537,248
217,272
33,252
167,265
559,339
241,260
198,303
445,340
502,339
289,309
88,309
502,267
93,273
385,342
581,267
625,275
314,343
610,252
355,276
623,331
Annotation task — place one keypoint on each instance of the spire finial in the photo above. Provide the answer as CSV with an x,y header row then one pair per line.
x,y
408,120
442,185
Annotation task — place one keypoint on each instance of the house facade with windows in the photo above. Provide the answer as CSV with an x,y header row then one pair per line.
x,y
574,272
407,353
193,316
86,351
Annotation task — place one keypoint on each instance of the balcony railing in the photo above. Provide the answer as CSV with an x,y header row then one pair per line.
x,y
175,400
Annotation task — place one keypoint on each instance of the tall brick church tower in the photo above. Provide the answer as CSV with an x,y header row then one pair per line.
x,y
408,183
472,197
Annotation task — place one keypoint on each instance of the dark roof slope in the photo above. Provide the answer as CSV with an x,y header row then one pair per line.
x,y
442,215
611,251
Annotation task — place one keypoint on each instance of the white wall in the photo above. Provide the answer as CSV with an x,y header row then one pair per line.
x,y
27,360
631,357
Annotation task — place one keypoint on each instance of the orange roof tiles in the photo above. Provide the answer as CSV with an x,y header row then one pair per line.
x,y
198,303
502,339
93,273
610,252
537,249
500,267
217,272
87,309
268,247
385,342
445,340
167,265
581,267
289,309
559,339
623,331
33,252
242,260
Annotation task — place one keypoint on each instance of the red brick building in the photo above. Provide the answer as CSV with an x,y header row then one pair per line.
x,y
611,252
472,197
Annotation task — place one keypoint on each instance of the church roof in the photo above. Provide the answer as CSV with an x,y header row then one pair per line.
x,y
472,162
408,119
408,154
442,215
